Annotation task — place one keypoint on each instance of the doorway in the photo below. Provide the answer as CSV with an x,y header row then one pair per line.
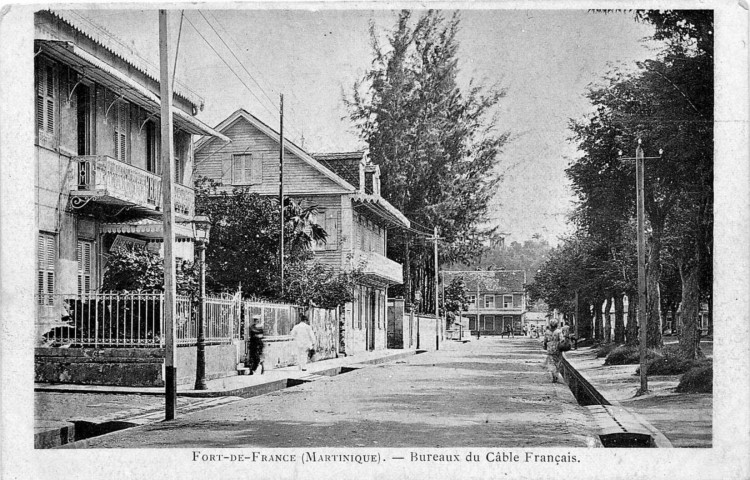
x,y
370,318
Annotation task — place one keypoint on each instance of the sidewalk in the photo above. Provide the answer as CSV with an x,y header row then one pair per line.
x,y
65,412
685,419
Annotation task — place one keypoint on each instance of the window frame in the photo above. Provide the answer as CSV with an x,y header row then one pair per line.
x,y
487,296
505,303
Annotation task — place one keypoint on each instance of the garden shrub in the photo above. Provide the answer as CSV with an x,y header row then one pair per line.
x,y
627,355
671,361
697,380
604,349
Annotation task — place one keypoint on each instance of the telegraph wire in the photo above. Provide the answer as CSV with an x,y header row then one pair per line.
x,y
216,32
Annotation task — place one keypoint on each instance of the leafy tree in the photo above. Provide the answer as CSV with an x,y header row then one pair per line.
x,y
244,244
135,268
435,145
668,104
455,300
314,284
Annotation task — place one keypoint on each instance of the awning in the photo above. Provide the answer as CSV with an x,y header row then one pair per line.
x,y
381,207
93,68
148,227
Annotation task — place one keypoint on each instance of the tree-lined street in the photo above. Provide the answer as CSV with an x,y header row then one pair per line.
x,y
488,393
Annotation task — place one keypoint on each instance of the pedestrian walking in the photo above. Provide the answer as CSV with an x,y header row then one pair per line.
x,y
304,339
552,338
255,347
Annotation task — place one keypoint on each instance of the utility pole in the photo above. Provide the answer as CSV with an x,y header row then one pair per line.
x,y
577,318
281,188
437,300
639,165
167,151
642,290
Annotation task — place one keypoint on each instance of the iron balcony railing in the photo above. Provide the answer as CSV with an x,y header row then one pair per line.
x,y
104,176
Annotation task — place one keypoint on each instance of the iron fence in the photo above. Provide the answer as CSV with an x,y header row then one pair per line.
x,y
276,319
96,319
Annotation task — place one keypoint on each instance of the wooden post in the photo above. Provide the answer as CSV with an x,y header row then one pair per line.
x,y
167,152
281,188
639,166
437,303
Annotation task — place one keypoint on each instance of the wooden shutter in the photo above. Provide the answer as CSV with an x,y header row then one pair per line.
x,y
46,98
226,169
237,164
256,174
332,229
46,258
83,255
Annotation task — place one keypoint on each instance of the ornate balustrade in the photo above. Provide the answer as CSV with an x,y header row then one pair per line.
x,y
103,177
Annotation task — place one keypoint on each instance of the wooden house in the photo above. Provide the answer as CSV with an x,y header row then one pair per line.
x,y
98,164
346,189
497,300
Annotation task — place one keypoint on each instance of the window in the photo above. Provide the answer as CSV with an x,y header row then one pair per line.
x,y
246,169
507,301
121,130
472,300
46,98
489,301
46,259
332,228
152,152
316,219
83,255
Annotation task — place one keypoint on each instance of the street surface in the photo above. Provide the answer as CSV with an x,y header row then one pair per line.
x,y
487,393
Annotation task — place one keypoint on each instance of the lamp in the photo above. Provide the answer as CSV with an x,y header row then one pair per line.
x,y
201,229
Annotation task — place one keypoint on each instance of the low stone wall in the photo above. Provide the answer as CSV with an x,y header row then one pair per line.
x,y
128,367
136,367
221,361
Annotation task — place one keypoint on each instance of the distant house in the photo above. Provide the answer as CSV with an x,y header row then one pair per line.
x,y
497,300
346,189
98,160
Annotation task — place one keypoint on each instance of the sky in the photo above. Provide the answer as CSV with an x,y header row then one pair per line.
x,y
545,59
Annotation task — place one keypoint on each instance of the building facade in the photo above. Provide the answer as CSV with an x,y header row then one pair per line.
x,y
346,189
98,159
497,300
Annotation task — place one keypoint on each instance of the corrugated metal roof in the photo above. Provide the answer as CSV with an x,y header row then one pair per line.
x,y
120,49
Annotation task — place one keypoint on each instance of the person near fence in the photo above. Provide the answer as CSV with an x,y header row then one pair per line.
x,y
304,340
552,337
255,347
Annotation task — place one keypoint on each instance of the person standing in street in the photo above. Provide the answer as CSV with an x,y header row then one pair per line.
x,y
552,337
304,339
255,346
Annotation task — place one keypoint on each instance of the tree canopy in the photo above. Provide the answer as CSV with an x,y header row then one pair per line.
x,y
436,142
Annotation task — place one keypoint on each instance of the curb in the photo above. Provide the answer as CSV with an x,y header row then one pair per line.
x,y
610,415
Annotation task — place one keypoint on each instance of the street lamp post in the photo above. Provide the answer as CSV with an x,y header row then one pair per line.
x,y
201,229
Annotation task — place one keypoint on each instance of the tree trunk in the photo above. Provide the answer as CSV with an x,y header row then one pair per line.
x,y
598,328
710,314
689,337
608,320
586,327
632,326
619,322
653,297
674,318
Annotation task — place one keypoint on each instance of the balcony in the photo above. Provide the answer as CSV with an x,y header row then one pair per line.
x,y
103,179
379,268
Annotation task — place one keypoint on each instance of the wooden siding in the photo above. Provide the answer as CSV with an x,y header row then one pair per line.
x,y
329,207
213,160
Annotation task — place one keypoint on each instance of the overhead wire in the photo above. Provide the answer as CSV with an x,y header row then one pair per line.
x,y
258,70
221,38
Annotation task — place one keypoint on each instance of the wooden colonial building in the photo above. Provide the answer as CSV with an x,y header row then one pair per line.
x,y
496,298
346,189
97,162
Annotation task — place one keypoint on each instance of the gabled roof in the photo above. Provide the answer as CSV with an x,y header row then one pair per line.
x,y
120,49
500,281
274,135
